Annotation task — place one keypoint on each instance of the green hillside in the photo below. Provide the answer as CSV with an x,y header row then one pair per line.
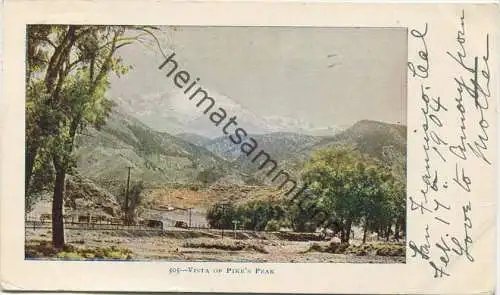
x,y
157,158
277,144
194,138
382,141
370,137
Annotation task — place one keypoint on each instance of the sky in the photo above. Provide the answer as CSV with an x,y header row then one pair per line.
x,y
325,76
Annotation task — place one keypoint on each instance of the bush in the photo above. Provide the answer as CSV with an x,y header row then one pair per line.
x,y
215,245
391,250
44,249
221,216
35,249
380,249
254,215
135,199
316,247
69,255
273,225
226,246
89,255
194,187
209,176
258,248
337,248
361,250
302,237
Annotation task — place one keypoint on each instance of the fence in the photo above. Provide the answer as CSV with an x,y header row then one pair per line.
x,y
37,224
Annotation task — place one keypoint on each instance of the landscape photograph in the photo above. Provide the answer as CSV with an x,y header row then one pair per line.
x,y
213,143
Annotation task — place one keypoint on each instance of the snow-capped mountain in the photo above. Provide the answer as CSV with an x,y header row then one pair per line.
x,y
175,113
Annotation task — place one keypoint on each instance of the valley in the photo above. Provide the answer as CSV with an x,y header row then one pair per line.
x,y
184,176
130,154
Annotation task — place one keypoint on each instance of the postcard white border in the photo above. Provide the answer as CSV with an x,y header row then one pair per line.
x,y
412,277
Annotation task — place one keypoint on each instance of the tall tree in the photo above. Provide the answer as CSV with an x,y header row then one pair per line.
x,y
330,175
82,106
67,73
350,186
375,203
131,200
53,52
307,212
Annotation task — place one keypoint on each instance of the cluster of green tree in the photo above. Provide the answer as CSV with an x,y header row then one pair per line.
x,y
130,198
344,188
67,73
348,188
209,175
253,215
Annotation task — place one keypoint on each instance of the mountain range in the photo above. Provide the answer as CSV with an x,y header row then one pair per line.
x,y
159,158
156,157
176,114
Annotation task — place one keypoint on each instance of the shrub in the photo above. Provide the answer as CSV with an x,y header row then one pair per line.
x,y
69,248
215,245
69,255
337,248
194,187
44,249
253,215
89,255
258,248
316,247
391,250
236,246
273,225
209,176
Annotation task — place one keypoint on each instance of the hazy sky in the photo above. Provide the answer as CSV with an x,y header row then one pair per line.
x,y
327,76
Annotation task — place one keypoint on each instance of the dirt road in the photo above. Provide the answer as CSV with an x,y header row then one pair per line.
x,y
199,246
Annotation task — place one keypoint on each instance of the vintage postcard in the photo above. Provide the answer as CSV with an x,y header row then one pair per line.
x,y
198,147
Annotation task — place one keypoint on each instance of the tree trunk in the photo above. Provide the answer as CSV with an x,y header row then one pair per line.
x,y
58,200
300,226
402,225
388,233
347,235
342,230
57,210
365,231
30,156
396,231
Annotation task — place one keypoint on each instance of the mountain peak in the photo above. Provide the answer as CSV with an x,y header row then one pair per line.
x,y
173,113
373,122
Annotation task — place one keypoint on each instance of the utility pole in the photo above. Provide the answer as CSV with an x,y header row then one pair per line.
x,y
235,226
190,209
223,206
126,195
